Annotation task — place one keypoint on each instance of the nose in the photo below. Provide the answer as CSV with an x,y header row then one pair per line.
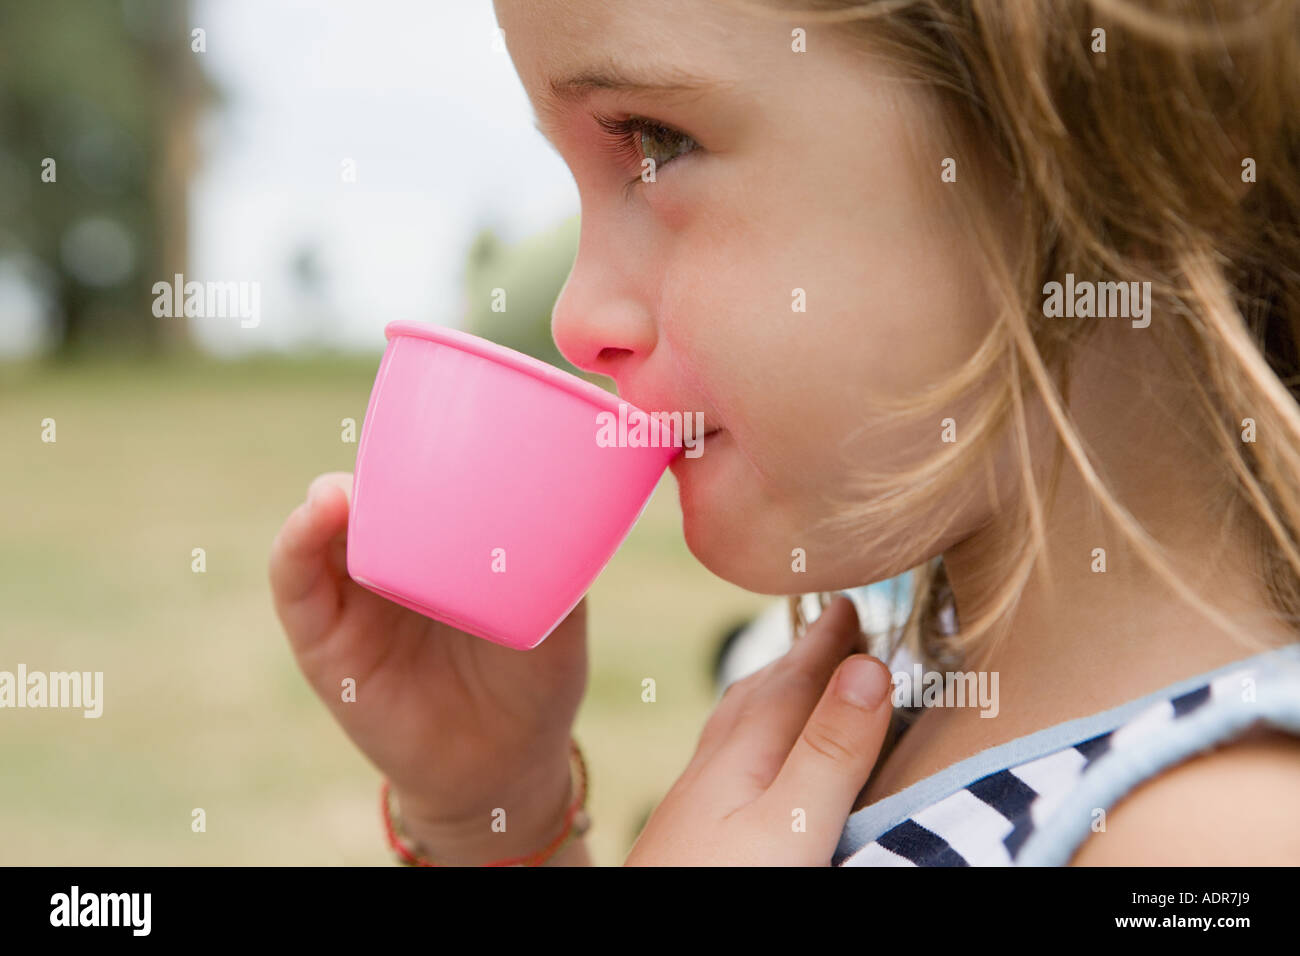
x,y
600,322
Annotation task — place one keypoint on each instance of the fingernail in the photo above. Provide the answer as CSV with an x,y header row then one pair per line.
x,y
863,682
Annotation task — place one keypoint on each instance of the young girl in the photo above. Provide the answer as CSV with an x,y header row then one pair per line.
x,y
1005,294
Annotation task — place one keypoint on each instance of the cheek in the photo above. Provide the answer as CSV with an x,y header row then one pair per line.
x,y
794,386
802,314
892,301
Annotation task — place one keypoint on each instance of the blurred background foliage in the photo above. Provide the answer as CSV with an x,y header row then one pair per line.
x,y
533,271
110,93
102,100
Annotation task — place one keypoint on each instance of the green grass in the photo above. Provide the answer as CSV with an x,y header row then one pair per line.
x,y
204,705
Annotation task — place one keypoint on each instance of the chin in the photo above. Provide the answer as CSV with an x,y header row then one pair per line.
x,y
723,534
725,538
740,532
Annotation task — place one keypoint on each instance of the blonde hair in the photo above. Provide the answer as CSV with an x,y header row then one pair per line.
x,y
1108,189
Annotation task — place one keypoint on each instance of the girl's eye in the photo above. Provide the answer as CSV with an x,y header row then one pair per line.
x,y
638,139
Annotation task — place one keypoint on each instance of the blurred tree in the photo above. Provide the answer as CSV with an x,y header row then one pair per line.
x,y
529,276
311,279
98,108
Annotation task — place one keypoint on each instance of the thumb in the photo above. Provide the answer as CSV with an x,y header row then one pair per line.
x,y
317,490
838,747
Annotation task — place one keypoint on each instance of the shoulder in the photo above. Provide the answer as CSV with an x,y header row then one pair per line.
x,y
1234,805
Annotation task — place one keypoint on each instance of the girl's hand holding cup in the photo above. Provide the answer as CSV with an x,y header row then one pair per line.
x,y
459,725
445,582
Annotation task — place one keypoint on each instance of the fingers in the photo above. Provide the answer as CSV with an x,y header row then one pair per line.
x,y
758,722
836,750
339,479
305,594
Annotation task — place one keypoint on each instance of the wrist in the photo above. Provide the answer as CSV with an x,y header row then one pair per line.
x,y
527,820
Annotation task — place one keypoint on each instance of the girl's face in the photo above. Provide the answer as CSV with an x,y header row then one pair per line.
x,y
796,255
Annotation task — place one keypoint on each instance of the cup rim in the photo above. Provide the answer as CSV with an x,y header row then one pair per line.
x,y
510,358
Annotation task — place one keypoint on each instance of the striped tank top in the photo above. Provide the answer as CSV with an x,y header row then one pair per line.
x,y
1034,800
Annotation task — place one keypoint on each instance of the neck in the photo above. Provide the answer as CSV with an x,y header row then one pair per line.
x,y
1082,639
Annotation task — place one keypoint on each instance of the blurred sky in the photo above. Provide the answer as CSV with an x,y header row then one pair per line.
x,y
441,134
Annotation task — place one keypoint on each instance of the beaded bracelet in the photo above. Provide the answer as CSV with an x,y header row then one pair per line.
x,y
576,823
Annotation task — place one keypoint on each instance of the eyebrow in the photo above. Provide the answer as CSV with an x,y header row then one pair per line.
x,y
573,88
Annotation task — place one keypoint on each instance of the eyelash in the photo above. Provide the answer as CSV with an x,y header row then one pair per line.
x,y
623,139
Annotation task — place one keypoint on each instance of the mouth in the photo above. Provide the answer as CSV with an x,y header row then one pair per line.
x,y
712,433
709,433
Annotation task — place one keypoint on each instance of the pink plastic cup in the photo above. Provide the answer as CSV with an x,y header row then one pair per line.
x,y
481,496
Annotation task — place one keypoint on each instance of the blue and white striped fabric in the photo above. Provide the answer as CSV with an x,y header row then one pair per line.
x,y
1033,801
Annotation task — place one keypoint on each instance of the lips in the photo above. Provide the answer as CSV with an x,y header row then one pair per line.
x,y
689,417
700,444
